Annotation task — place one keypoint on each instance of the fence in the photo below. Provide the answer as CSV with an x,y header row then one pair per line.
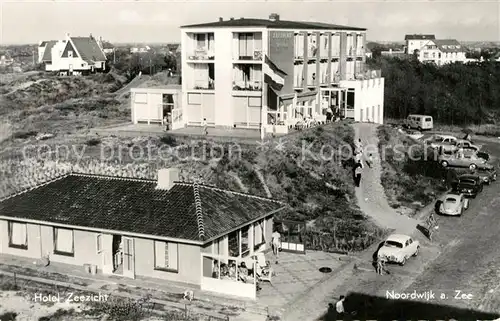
x,y
109,306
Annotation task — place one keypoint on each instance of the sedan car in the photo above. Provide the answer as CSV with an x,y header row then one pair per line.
x,y
454,204
469,185
398,248
464,159
487,175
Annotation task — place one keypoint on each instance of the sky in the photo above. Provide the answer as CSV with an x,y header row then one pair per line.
x,y
122,21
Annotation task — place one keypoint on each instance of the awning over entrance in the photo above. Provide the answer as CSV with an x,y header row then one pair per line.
x,y
303,97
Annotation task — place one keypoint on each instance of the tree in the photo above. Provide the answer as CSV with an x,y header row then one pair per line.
x,y
459,94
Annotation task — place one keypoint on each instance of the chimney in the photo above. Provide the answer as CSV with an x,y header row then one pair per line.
x,y
232,18
167,177
67,35
221,19
274,17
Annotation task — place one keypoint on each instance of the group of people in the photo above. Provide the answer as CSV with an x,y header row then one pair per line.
x,y
358,166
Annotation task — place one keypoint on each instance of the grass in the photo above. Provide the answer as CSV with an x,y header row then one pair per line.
x,y
116,308
409,182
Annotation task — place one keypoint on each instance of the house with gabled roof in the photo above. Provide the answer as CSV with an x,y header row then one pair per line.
x,y
125,227
73,55
416,42
442,51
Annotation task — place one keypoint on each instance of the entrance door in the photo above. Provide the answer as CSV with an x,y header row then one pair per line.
x,y
107,253
128,257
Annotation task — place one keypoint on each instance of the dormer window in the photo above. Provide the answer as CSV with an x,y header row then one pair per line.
x,y
70,53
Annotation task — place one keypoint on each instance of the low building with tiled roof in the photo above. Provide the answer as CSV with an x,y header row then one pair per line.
x,y
135,227
73,55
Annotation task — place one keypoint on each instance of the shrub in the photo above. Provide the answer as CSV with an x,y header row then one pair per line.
x,y
409,181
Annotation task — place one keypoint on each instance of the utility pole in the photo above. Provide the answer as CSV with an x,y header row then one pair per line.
x,y
33,54
150,67
114,56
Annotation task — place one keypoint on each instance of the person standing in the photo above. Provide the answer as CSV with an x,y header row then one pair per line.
x,y
205,126
276,243
358,170
339,307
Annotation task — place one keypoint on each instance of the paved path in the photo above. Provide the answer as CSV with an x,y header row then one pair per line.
x,y
371,195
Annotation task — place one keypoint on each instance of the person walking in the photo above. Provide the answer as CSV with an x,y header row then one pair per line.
x,y
359,147
358,170
276,243
431,225
369,160
205,126
339,306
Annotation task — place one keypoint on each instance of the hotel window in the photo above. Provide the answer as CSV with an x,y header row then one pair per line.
x,y
234,244
426,55
18,235
98,243
247,77
245,41
70,53
64,242
200,41
166,256
245,244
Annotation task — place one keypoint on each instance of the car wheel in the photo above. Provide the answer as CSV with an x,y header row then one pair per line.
x,y
472,167
416,252
403,262
444,163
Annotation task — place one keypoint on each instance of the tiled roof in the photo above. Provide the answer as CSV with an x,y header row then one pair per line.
x,y
43,43
136,206
47,54
420,37
88,48
449,45
278,24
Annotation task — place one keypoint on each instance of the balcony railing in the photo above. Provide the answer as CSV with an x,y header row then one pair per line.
x,y
204,85
369,74
247,85
202,54
256,55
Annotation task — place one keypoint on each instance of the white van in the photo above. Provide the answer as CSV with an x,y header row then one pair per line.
x,y
420,122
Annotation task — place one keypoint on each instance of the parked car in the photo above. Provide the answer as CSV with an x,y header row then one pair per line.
x,y
398,248
454,204
470,185
420,122
464,159
487,175
466,144
415,134
446,141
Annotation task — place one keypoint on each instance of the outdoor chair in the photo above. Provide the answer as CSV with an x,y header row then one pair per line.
x,y
265,275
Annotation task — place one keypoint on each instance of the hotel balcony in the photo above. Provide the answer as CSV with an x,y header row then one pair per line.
x,y
255,86
200,47
201,54
208,84
247,46
368,74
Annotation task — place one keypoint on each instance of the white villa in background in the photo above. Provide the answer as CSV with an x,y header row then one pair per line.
x,y
438,51
226,65
417,42
73,55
